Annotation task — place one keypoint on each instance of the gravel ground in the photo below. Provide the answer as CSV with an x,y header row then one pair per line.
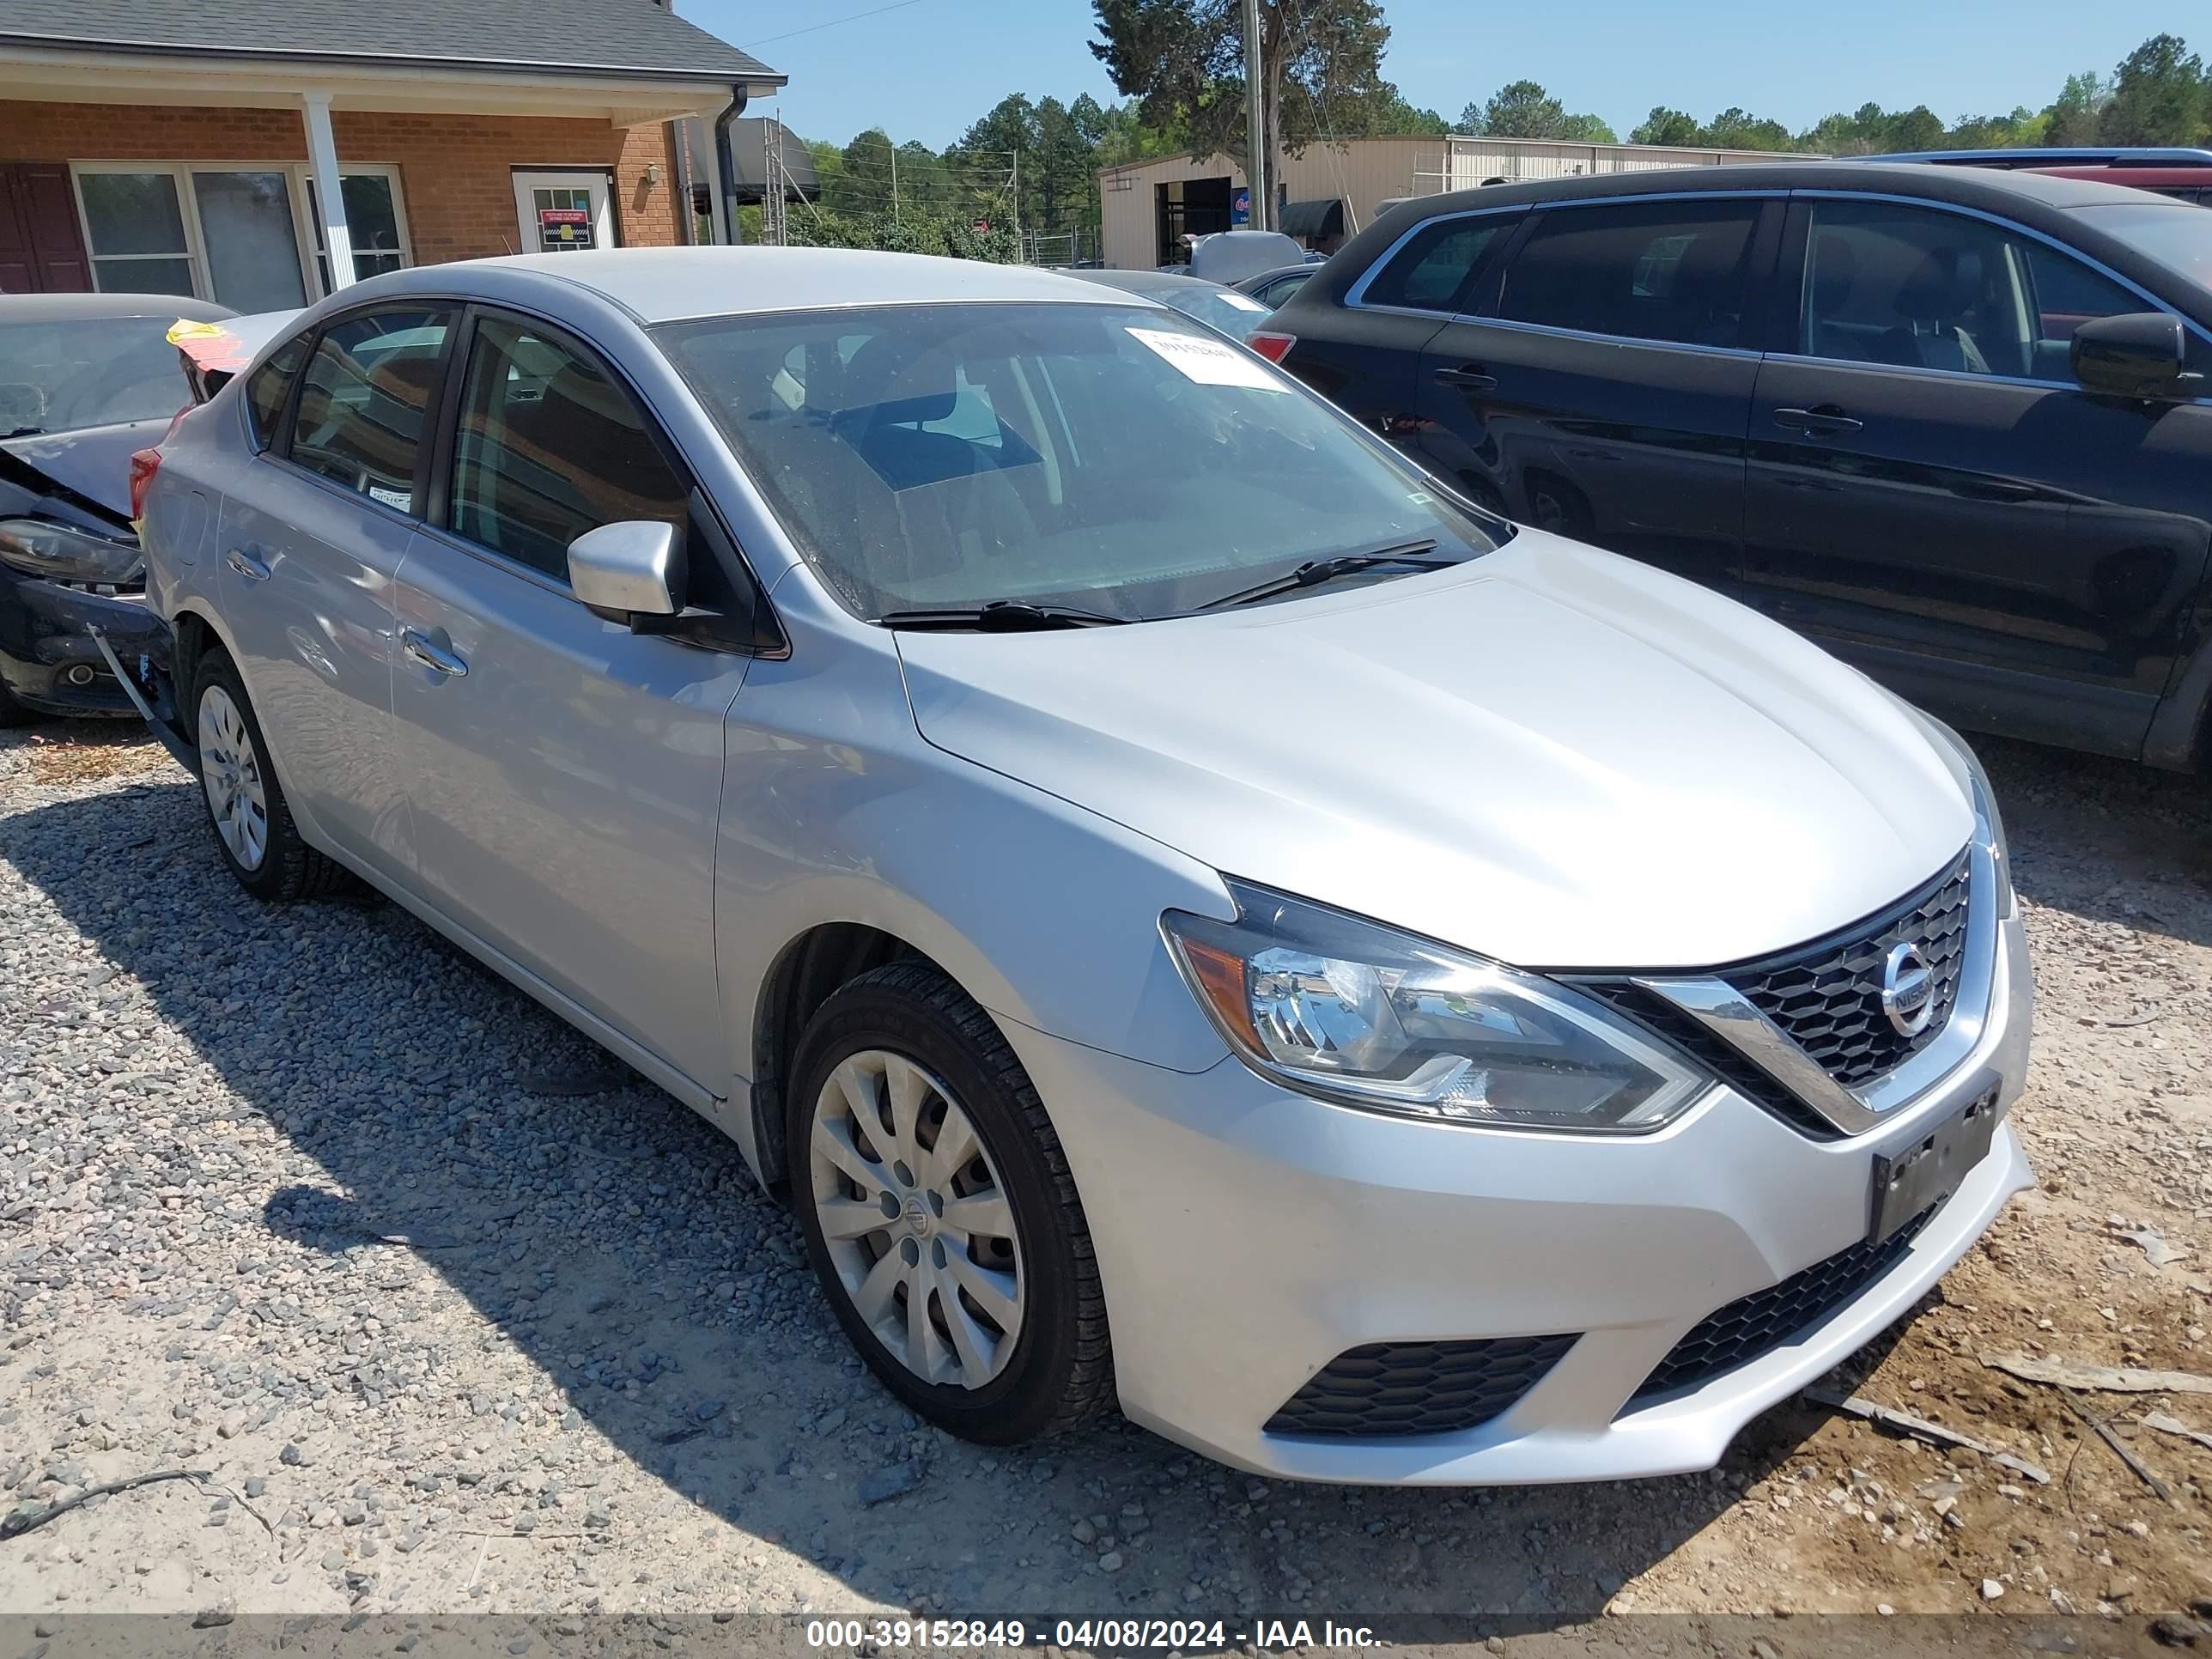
x,y
458,1314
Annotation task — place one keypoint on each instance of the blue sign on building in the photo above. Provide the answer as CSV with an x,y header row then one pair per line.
x,y
1240,206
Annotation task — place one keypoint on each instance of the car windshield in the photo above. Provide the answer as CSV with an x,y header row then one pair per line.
x,y
1235,314
62,376
1122,460
2177,235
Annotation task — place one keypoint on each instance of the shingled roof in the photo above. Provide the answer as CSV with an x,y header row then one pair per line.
x,y
628,38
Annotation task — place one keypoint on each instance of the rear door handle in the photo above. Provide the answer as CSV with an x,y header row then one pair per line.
x,y
1823,422
1470,378
247,565
422,649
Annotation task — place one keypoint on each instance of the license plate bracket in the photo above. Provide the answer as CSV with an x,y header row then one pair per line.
x,y
1918,1176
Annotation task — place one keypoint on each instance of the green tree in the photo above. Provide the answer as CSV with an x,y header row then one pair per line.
x,y
2159,95
1737,129
1667,126
2077,114
1587,130
1184,62
1394,118
1916,129
1520,109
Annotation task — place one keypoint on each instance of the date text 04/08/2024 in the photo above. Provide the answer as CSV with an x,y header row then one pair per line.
x,y
1084,1635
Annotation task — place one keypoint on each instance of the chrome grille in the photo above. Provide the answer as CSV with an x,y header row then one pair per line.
x,y
1826,996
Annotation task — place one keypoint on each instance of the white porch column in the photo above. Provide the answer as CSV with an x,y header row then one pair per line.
x,y
330,194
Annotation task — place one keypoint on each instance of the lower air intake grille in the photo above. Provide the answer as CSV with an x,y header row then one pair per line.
x,y
1756,1325
1417,1387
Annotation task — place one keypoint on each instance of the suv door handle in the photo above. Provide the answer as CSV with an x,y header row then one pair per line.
x,y
1471,378
422,649
1824,422
246,565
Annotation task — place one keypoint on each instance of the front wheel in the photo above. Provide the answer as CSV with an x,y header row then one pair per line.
x,y
254,827
939,1212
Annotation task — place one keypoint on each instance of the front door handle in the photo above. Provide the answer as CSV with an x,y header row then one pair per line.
x,y
1824,421
438,658
247,565
1469,377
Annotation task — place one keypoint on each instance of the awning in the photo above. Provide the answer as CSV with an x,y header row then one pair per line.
x,y
1312,221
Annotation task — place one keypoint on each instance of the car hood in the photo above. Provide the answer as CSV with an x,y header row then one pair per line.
x,y
93,464
1550,755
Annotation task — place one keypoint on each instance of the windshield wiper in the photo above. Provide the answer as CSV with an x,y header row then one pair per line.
x,y
23,432
1317,571
1001,616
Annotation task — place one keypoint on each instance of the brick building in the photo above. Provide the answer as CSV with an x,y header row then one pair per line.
x,y
224,148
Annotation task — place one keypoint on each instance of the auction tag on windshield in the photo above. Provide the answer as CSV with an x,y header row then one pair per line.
x,y
1242,303
1210,362
402,499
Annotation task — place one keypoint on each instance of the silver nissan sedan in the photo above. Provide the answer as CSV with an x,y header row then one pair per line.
x,y
1189,912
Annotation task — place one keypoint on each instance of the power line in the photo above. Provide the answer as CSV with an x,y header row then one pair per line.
x,y
855,17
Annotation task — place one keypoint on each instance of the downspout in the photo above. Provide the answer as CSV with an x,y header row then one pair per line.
x,y
726,162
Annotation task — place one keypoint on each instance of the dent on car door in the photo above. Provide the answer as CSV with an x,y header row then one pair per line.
x,y
312,532
1605,391
564,773
1934,497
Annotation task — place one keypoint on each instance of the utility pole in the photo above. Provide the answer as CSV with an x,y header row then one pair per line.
x,y
895,204
1256,122
1016,187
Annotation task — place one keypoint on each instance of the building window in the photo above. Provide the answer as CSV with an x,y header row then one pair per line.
x,y
238,234
135,231
372,205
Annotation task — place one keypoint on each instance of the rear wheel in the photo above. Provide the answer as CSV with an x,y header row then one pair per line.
x,y
939,1212
11,712
254,827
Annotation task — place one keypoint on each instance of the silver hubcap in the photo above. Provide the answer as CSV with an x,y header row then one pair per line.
x,y
917,1222
231,775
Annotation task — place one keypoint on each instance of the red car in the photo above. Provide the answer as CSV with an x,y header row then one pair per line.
x,y
2185,174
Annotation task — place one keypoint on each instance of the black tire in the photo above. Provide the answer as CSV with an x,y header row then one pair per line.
x,y
289,869
1061,1372
11,712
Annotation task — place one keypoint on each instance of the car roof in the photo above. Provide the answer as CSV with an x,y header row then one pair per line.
x,y
1148,282
92,308
667,284
1995,189
1304,267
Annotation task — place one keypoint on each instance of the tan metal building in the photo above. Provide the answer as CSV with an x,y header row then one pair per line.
x,y
1330,191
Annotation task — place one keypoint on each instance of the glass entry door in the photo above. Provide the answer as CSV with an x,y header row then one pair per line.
x,y
563,212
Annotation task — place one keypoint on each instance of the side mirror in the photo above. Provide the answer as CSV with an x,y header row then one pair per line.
x,y
628,570
2139,354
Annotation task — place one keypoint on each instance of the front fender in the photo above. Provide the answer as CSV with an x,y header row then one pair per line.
x,y
835,809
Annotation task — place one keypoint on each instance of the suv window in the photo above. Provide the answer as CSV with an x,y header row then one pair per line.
x,y
1642,271
363,403
548,446
1918,287
270,384
1428,271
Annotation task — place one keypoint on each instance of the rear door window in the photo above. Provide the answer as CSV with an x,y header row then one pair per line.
x,y
1673,272
1430,272
368,393
270,387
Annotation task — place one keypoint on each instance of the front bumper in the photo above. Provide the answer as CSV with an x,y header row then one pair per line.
x,y
48,661
1247,1235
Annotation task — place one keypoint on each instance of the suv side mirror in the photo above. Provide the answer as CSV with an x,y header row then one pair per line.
x,y
628,571
2139,354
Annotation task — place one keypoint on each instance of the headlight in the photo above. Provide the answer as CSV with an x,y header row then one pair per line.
x,y
1361,1014
66,554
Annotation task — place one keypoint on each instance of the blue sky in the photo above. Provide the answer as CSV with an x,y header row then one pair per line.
x,y
926,68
